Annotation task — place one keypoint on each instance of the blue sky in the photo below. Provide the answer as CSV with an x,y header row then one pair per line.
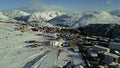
x,y
69,4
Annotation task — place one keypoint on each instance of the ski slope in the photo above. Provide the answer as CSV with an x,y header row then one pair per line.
x,y
14,54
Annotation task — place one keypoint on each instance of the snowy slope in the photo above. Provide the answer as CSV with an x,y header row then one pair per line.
x,y
3,17
17,14
14,54
66,19
74,20
42,23
115,12
55,60
48,15
86,18
96,18
12,51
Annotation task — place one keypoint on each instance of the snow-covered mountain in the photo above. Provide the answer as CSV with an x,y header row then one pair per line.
x,y
96,18
46,16
99,23
103,30
115,12
74,20
18,15
86,18
3,17
42,23
66,19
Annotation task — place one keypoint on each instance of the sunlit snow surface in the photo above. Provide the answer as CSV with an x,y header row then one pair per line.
x,y
13,53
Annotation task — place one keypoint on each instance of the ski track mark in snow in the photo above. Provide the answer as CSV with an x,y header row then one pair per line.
x,y
38,64
35,60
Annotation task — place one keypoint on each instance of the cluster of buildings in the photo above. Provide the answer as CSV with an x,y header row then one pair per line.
x,y
109,56
106,55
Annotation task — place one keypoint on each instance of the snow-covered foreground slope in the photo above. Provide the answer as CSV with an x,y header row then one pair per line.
x,y
54,59
12,51
14,54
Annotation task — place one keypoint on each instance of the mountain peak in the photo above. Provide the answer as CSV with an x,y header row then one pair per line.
x,y
101,17
116,12
3,17
16,13
46,16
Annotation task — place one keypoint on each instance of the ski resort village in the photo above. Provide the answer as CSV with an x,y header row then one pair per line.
x,y
52,40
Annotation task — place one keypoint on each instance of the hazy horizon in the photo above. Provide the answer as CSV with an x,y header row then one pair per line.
x,y
81,5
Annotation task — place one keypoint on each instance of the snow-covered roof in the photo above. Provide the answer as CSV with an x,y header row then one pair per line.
x,y
111,54
114,45
100,47
93,54
115,64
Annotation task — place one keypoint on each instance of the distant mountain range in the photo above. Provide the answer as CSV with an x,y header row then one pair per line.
x,y
73,20
3,17
88,20
103,30
116,12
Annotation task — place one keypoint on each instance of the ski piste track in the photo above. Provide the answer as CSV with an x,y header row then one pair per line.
x,y
32,62
53,58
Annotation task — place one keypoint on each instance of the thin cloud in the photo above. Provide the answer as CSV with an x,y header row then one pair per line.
x,y
38,5
108,2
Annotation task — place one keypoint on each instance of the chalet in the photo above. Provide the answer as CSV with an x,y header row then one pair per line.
x,y
100,49
91,38
117,52
110,57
